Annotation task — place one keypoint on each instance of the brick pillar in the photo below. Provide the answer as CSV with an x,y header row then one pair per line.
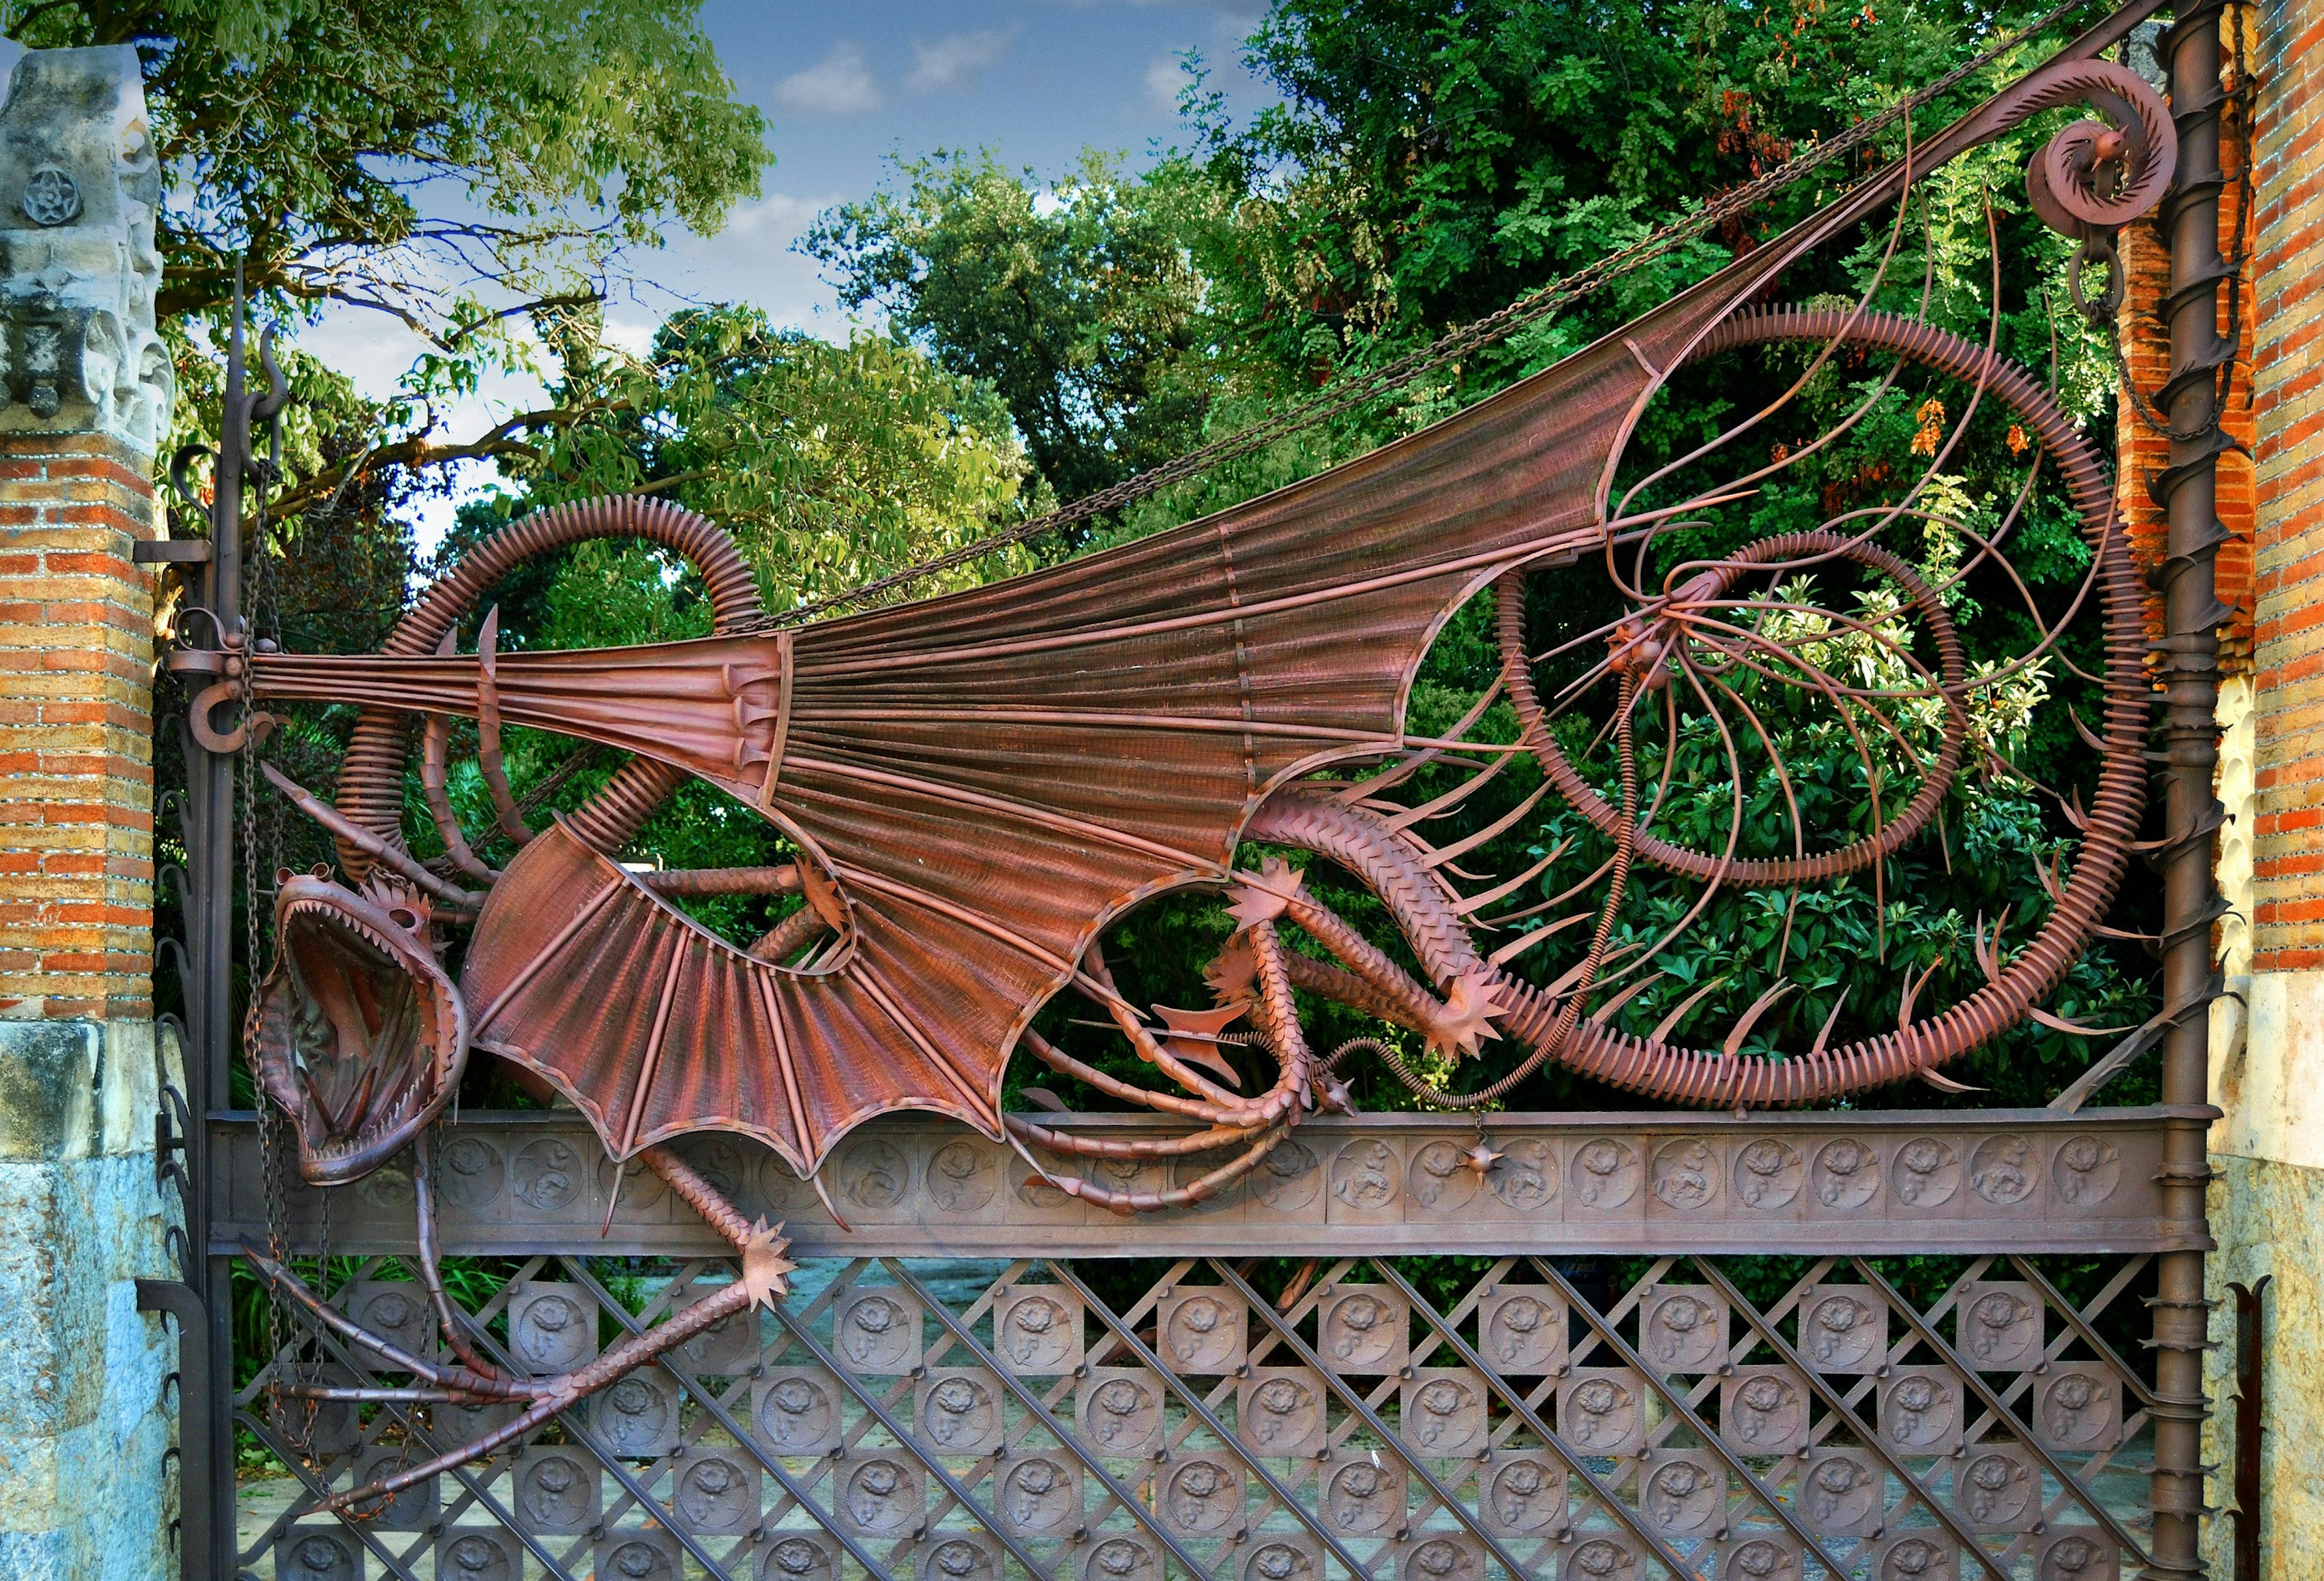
x,y
83,401
2267,1151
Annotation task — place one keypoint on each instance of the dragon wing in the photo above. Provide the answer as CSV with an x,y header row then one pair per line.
x,y
986,779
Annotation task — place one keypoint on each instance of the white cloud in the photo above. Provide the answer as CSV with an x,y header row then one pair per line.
x,y
778,219
952,63
1163,79
840,84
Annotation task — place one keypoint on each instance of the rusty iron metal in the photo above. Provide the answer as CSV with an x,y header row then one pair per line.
x,y
978,785
973,788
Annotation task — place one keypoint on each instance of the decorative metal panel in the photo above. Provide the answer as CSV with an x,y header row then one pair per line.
x,y
1711,1417
523,1183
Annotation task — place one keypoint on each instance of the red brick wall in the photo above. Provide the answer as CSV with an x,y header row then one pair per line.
x,y
2288,377
76,737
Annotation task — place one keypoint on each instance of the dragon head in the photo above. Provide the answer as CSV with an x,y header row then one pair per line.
x,y
358,1033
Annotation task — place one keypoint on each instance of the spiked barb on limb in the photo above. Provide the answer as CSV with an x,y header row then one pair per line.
x,y
973,790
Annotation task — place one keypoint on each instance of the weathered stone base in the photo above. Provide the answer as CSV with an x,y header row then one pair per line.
x,y
83,1419
2269,1219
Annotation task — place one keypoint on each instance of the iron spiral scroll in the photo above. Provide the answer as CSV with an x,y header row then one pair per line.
x,y
1261,665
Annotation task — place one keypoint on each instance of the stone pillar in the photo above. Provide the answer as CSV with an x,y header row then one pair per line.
x,y
85,393
2267,1151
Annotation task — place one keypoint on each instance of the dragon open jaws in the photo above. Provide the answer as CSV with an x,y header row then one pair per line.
x,y
975,787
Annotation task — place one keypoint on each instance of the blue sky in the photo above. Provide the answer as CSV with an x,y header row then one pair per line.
x,y
843,88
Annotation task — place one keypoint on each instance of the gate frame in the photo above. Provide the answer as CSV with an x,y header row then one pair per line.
x,y
189,1124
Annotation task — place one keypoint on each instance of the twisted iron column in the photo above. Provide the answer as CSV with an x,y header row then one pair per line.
x,y
2187,491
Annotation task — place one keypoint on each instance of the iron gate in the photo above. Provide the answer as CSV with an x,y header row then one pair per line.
x,y
1893,1345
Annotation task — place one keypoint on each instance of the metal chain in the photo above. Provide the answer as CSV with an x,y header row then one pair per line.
x,y
1446,349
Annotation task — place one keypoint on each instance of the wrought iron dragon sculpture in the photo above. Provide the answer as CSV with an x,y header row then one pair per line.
x,y
975,785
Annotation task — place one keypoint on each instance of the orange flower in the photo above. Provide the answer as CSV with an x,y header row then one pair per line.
x,y
1931,416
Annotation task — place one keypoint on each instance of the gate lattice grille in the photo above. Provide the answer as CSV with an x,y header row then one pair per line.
x,y
898,1423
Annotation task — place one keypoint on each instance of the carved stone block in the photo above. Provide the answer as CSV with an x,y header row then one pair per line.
x,y
1524,1496
319,1553
1037,1331
637,1418
876,1332
1279,1411
716,1492
1682,1328
1601,1410
1118,1411
959,1410
1683,1493
1363,1329
552,1326
1763,1411
797,1410
1040,1494
1201,1331
880,1494
1443,1411
555,1489
1521,1329
1201,1495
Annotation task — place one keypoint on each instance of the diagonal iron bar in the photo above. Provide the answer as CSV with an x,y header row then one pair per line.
x,y
1127,1340
968,1341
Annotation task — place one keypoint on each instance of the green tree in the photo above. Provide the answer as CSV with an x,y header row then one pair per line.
x,y
1078,300
453,163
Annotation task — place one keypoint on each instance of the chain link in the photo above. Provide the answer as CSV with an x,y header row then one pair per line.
x,y
1446,349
